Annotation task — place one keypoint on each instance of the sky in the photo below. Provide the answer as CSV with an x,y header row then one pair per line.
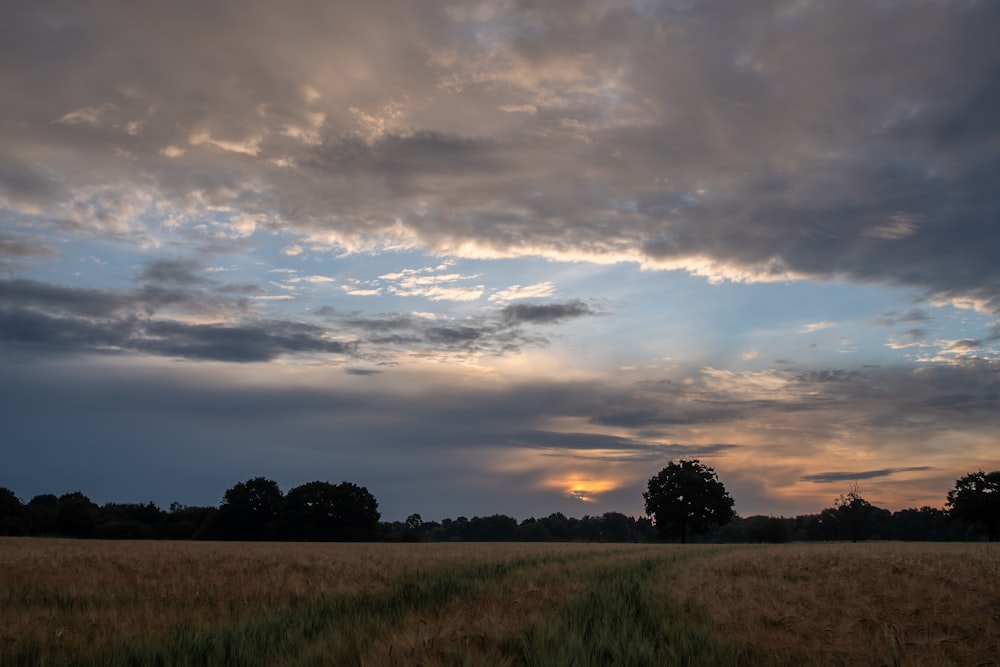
x,y
502,256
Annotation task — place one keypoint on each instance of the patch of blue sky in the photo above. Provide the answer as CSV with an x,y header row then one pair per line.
x,y
93,262
683,317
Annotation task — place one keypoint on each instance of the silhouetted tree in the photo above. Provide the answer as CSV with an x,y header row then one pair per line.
x,y
43,514
687,498
128,521
183,522
616,527
76,516
854,513
321,511
976,500
646,530
249,510
927,524
768,529
12,514
822,527
557,526
586,529
531,530
493,528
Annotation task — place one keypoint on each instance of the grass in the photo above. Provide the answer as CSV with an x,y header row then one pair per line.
x,y
185,603
620,621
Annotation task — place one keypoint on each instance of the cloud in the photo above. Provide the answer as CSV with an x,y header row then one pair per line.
x,y
353,290
72,301
176,310
362,371
536,291
87,115
163,316
602,447
826,477
438,287
24,189
494,334
691,157
909,338
253,341
182,272
545,313
962,345
21,247
817,326
893,318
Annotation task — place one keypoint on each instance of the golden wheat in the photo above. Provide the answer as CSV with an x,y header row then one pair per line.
x,y
889,603
857,604
89,594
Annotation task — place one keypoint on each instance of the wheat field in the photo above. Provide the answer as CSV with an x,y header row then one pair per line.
x,y
201,603
890,603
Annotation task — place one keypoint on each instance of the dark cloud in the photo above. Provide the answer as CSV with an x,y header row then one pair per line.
x,y
671,416
827,375
184,292
894,317
823,477
64,300
428,152
246,289
23,186
453,335
545,313
64,334
146,319
491,334
965,344
249,342
182,272
80,321
254,341
593,446
362,371
17,247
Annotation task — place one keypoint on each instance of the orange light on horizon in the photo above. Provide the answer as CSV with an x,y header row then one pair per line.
x,y
583,488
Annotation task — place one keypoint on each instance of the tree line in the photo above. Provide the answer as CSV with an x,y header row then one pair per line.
x,y
684,502
686,499
251,510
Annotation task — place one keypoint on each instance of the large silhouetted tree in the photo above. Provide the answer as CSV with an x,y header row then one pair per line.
x,y
77,515
687,498
320,511
853,513
12,514
976,501
249,510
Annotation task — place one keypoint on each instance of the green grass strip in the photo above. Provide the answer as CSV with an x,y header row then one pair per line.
x,y
620,620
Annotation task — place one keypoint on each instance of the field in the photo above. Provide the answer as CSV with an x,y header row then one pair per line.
x,y
194,603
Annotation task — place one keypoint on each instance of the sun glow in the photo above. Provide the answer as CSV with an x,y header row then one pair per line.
x,y
582,488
